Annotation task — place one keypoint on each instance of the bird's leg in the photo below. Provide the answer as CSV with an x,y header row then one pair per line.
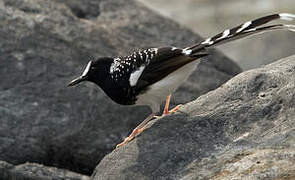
x,y
166,109
139,129
174,109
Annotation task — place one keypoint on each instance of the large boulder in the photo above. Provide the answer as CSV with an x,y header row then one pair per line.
x,y
44,44
242,130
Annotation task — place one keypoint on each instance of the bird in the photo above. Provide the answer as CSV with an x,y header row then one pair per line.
x,y
149,76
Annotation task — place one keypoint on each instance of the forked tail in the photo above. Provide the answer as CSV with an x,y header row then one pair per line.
x,y
246,29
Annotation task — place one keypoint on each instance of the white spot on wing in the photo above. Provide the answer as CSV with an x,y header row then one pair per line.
x,y
114,65
135,75
244,26
86,69
155,50
152,55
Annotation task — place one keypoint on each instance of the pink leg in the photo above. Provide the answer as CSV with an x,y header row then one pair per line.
x,y
139,129
166,109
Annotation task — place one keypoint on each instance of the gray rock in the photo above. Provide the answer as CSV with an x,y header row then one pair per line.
x,y
242,130
33,171
44,44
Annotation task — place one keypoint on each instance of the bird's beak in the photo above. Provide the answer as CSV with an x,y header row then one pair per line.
x,y
77,80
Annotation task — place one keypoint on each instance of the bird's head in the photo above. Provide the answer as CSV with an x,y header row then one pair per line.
x,y
95,71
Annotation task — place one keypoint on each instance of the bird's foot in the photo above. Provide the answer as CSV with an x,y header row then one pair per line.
x,y
134,133
167,112
139,129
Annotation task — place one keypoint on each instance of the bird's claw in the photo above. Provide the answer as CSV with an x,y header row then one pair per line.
x,y
167,112
134,133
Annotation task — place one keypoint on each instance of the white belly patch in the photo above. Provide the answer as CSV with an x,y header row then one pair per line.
x,y
158,91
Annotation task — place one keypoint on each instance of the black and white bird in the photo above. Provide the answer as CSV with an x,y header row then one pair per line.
x,y
149,76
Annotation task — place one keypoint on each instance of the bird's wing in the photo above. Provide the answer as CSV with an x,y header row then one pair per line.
x,y
145,67
165,61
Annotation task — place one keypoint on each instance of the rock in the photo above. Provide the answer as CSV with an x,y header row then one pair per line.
x,y
242,130
45,44
33,171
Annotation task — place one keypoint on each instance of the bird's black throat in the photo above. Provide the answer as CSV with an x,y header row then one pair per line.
x,y
100,75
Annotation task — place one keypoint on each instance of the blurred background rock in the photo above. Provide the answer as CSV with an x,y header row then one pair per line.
x,y
208,17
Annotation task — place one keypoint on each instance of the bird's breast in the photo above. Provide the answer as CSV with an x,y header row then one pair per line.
x,y
156,93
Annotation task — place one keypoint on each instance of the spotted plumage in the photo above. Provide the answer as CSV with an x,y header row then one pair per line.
x,y
124,78
123,66
146,77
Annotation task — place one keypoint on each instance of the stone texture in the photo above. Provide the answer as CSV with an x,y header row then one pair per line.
x,y
33,171
242,130
44,44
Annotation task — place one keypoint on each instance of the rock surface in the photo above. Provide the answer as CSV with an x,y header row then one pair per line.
x,y
44,44
33,171
243,130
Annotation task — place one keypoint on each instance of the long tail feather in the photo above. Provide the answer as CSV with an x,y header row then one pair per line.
x,y
244,30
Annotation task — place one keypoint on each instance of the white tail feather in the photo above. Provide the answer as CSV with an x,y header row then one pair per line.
x,y
287,16
290,27
244,30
